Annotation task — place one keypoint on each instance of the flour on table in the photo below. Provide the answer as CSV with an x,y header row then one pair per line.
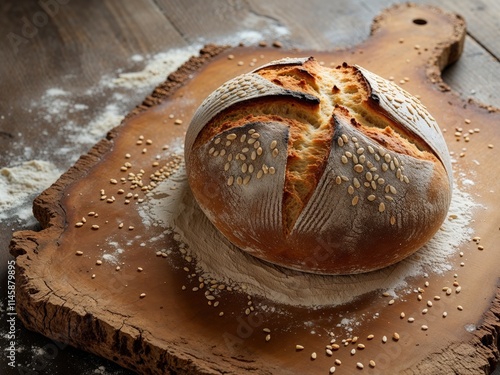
x,y
20,183
156,70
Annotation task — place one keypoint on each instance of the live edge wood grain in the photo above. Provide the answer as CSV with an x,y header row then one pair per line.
x,y
175,331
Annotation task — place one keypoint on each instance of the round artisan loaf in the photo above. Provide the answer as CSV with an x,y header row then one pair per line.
x,y
329,171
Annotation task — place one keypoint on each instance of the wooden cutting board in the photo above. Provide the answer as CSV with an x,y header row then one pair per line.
x,y
145,315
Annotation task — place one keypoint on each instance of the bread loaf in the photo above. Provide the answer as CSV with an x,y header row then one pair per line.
x,y
323,170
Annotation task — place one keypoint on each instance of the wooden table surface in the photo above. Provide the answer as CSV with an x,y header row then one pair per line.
x,y
50,47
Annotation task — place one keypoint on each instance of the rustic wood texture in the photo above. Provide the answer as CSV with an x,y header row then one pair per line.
x,y
169,330
84,40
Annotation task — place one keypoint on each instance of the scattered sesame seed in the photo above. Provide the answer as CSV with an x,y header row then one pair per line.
x,y
359,365
332,369
424,327
268,337
460,308
95,227
313,355
79,252
395,336
142,295
358,168
299,347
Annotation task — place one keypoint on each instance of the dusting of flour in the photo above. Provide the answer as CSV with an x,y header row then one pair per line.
x,y
155,71
20,183
172,205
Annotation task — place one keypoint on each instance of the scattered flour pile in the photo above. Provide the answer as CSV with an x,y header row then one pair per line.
x,y
19,184
156,70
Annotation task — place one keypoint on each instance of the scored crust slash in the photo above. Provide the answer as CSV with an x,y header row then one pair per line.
x,y
334,159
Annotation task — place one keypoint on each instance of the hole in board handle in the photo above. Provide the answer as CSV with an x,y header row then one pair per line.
x,y
420,21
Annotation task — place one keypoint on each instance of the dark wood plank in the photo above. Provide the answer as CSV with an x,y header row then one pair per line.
x,y
483,21
341,23
471,76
